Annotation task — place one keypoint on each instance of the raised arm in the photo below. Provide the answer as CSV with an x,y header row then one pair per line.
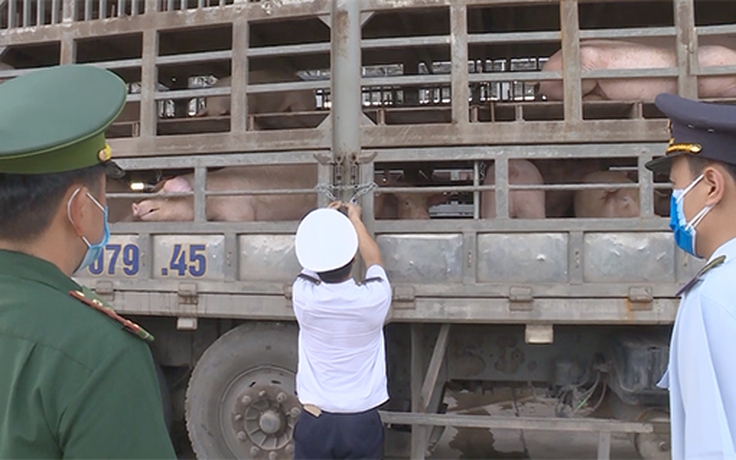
x,y
369,250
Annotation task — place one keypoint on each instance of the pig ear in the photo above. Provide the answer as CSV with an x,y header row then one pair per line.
x,y
177,185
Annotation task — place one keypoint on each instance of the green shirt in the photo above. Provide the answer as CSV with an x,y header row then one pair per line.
x,y
74,383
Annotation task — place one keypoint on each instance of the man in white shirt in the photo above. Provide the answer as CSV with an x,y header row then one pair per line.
x,y
341,376
701,375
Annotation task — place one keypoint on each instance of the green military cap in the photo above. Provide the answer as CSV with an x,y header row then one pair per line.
x,y
54,120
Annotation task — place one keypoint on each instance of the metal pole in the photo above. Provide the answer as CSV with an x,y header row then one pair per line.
x,y
346,108
571,57
687,48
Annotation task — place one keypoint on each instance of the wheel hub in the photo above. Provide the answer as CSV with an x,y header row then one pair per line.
x,y
262,418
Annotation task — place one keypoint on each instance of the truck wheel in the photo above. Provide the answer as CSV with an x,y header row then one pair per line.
x,y
653,446
241,401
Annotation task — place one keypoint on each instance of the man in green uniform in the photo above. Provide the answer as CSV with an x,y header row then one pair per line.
x,y
77,380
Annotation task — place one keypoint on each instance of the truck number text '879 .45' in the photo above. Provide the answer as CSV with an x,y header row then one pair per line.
x,y
124,259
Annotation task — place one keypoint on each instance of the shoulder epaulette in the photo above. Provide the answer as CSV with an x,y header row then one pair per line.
x,y
711,265
89,298
372,280
311,279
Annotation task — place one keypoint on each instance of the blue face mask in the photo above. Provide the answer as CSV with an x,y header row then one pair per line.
x,y
93,250
683,230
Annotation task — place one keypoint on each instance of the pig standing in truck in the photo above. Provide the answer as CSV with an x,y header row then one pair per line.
x,y
701,375
341,378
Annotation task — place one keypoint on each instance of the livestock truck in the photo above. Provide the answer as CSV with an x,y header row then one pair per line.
x,y
409,97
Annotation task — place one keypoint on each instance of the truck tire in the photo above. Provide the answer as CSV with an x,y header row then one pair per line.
x,y
241,400
653,446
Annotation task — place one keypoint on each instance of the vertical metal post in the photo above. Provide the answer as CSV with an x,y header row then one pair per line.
x,y
54,11
459,53
346,73
11,14
571,72
604,445
26,13
367,175
149,80
501,167
69,10
68,50
419,433
239,81
476,194
646,186
40,12
87,10
687,48
102,14
200,185
121,8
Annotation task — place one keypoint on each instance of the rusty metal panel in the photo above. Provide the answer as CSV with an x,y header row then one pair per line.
x,y
423,258
522,258
634,257
267,258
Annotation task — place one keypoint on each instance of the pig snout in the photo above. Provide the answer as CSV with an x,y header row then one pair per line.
x,y
145,210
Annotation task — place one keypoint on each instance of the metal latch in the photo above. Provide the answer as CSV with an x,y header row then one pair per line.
x,y
188,300
640,297
188,294
520,298
105,290
539,333
403,297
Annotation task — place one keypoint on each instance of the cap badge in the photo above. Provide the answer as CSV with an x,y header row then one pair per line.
x,y
105,154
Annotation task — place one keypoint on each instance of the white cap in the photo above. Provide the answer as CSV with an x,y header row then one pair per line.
x,y
325,240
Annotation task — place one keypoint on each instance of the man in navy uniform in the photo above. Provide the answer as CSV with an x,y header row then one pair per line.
x,y
77,380
701,377
341,376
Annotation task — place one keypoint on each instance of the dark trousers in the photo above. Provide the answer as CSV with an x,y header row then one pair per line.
x,y
338,436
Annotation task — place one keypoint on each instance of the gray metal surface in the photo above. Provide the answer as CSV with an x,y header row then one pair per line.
x,y
423,259
522,258
267,258
629,257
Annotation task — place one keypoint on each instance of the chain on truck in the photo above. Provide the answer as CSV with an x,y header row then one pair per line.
x,y
418,98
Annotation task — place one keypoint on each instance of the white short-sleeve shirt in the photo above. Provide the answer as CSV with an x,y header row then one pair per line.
x,y
342,357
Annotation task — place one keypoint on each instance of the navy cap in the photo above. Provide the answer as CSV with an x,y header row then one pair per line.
x,y
702,129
